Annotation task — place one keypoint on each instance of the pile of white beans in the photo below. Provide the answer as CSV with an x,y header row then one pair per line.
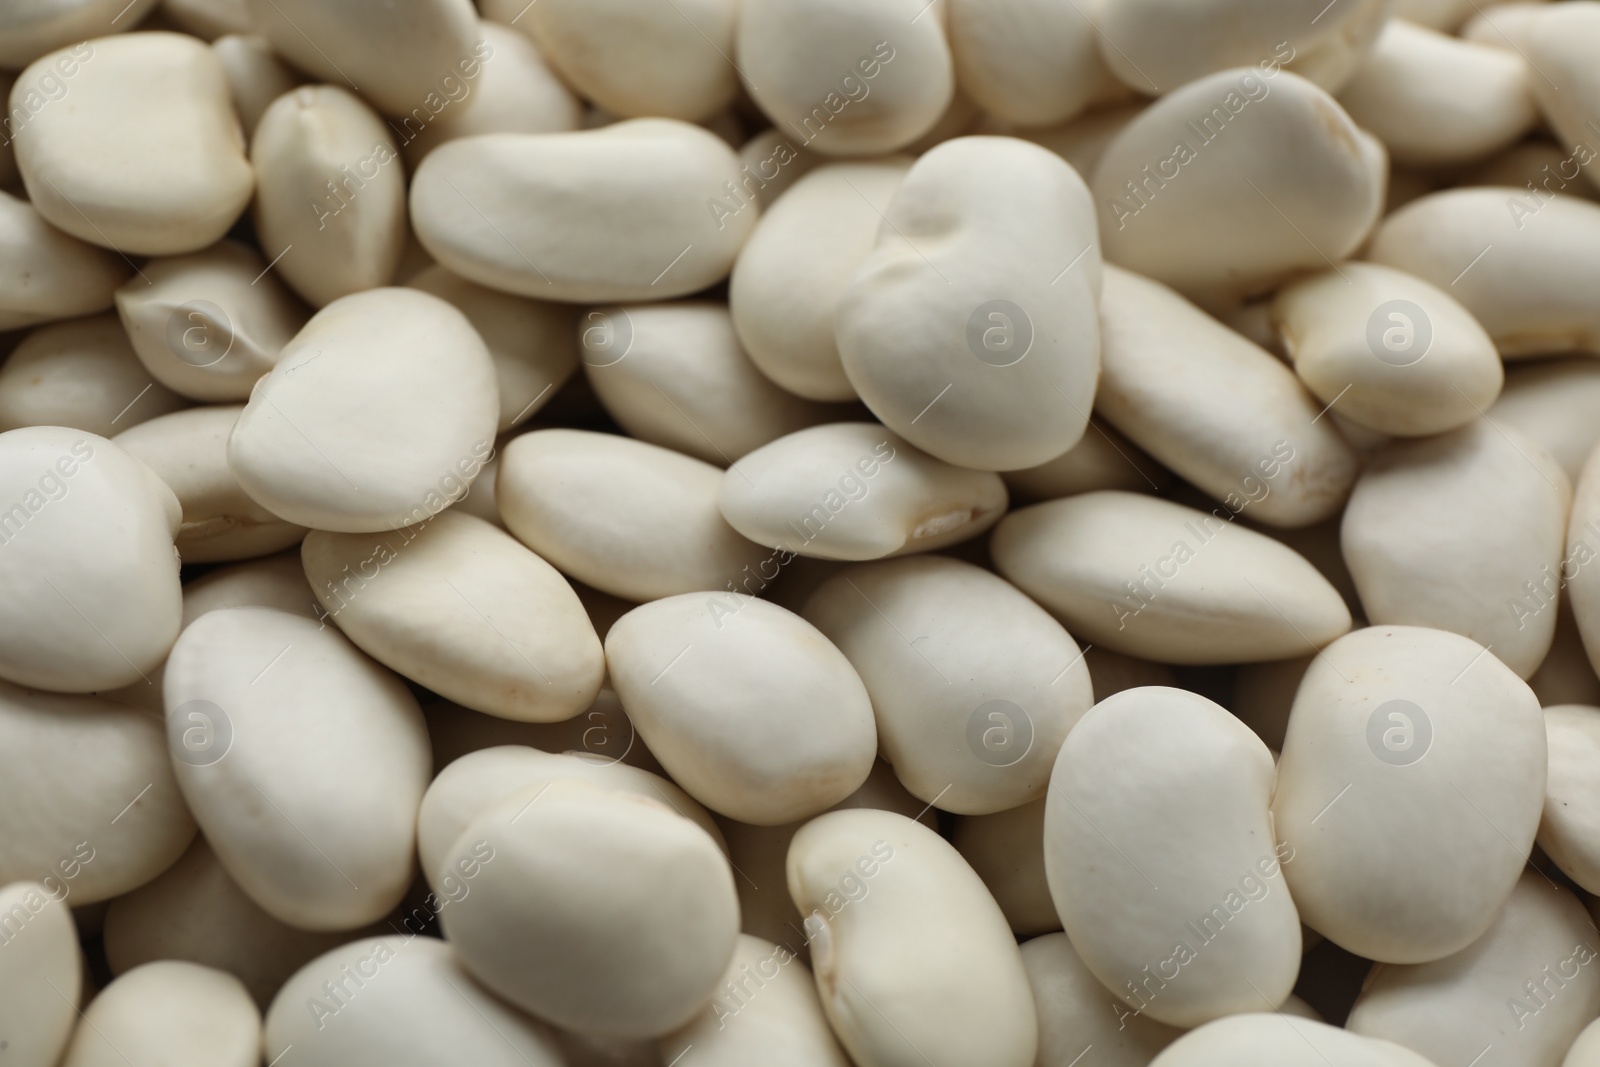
x,y
799,533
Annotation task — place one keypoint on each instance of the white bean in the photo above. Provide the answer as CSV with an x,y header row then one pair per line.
x,y
40,974
1134,574
169,1012
188,450
1159,850
86,558
1395,783
644,209
852,491
505,632
749,707
646,527
988,269
303,761
316,446
158,103
972,714
1401,538
885,901
406,1001
1527,986
601,911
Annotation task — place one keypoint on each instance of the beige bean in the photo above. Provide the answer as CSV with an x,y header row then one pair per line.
x,y
718,405
1076,1012
40,975
92,597
272,582
477,780
1569,832
377,415
1221,222
400,57
1566,676
1434,100
1437,785
194,911
1531,290
884,899
1134,574
748,706
646,209
778,163
1577,563
1006,850
765,1011
331,193
28,32
531,342
1215,408
1561,44
83,374
171,1012
1278,1040
1168,893
854,491
972,714
57,826
404,1001
1508,26
1552,402
189,451
46,274
1585,1051
517,92
639,59
988,268
303,761
505,633
208,325
1527,986
648,528
851,78
1102,459
209,19
1030,62
600,911
1394,353
256,76
797,264
1402,538
1157,46
1083,140
158,104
